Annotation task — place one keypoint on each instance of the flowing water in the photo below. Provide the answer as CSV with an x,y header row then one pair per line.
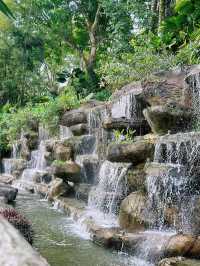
x,y
59,241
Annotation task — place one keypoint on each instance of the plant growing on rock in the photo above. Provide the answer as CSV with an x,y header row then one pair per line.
x,y
124,136
19,222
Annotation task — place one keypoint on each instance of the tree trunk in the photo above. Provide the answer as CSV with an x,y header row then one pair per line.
x,y
161,13
154,19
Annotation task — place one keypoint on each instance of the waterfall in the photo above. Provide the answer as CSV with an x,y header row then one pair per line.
x,y
171,189
110,189
65,132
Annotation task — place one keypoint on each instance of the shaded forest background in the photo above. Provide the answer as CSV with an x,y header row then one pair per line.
x,y
56,54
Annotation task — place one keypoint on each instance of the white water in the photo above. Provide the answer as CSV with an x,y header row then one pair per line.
x,y
111,188
65,133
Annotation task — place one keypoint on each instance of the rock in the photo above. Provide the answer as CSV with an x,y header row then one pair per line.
x,y
165,118
179,245
132,215
69,171
42,189
36,176
79,129
136,152
63,152
178,261
89,167
73,117
15,250
58,188
136,178
19,222
107,237
82,144
6,179
82,191
8,193
140,126
14,167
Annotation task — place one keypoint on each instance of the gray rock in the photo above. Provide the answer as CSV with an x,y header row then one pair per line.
x,y
79,129
68,171
136,153
15,250
165,118
73,117
132,215
8,193
82,191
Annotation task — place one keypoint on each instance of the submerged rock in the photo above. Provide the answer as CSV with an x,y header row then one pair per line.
x,y
136,152
132,214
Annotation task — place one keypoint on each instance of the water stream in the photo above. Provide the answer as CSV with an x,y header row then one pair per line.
x,y
58,239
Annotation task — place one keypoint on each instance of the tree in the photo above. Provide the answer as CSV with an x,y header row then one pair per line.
x,y
5,10
84,28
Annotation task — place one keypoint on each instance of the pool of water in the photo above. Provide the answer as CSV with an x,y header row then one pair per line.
x,y
61,242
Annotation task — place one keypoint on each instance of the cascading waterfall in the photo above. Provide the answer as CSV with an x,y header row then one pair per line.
x,y
65,132
111,188
172,191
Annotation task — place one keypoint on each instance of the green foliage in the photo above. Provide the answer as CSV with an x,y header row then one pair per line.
x,y
5,10
124,136
13,120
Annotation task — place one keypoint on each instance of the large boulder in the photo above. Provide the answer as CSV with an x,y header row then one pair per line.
x,y
79,129
63,152
180,245
6,179
74,117
58,188
68,171
136,152
132,215
82,144
15,251
165,118
19,222
14,167
140,126
8,193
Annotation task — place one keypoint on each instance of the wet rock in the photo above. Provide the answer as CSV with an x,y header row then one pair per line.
x,y
8,193
165,118
141,127
136,152
179,245
14,167
15,250
69,170
136,178
6,179
82,144
58,188
73,117
89,167
41,189
79,129
63,152
132,215
107,237
82,191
